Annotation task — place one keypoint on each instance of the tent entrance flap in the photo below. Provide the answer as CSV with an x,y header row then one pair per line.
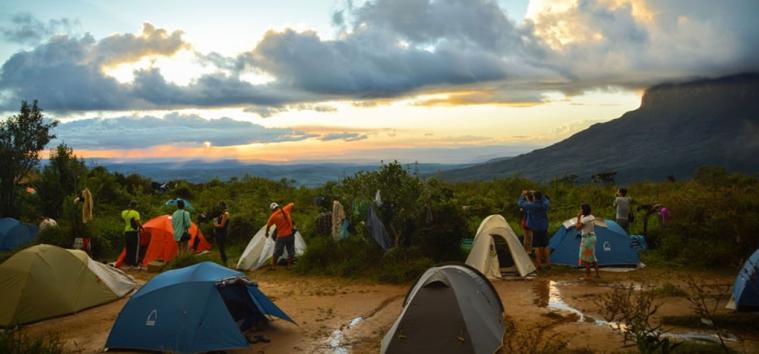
x,y
415,333
244,312
503,252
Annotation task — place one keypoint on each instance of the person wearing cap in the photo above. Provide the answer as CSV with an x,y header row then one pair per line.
x,y
281,218
132,227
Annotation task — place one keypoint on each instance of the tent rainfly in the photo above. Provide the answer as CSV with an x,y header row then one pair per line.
x,y
496,249
614,248
450,309
47,281
746,289
200,308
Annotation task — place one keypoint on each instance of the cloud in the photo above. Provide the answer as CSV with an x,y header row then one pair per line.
x,y
127,48
387,49
269,111
172,129
25,29
346,136
65,74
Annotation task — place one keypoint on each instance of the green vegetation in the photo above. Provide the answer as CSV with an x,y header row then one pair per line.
x,y
715,216
15,343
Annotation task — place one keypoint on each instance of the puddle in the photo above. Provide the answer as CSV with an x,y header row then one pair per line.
x,y
337,338
548,295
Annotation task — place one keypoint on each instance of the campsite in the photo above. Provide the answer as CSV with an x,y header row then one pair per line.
x,y
379,176
346,293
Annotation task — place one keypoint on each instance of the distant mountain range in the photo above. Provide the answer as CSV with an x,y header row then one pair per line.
x,y
678,128
304,174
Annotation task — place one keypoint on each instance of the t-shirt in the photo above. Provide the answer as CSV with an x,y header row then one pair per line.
x,y
180,220
284,223
128,215
587,224
623,207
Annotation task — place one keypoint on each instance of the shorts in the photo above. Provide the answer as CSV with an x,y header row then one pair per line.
x,y
540,238
185,237
284,243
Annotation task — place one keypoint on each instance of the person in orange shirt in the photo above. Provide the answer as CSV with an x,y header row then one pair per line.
x,y
281,217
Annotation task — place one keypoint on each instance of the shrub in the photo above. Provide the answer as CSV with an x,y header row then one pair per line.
x,y
16,343
188,259
403,264
54,236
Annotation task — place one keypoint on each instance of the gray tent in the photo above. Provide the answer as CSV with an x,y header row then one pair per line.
x,y
450,309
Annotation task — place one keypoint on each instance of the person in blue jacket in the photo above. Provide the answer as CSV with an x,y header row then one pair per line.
x,y
537,221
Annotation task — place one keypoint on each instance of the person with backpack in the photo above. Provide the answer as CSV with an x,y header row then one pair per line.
x,y
221,227
132,227
180,220
281,217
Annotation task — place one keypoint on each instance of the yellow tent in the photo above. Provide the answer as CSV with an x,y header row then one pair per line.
x,y
46,281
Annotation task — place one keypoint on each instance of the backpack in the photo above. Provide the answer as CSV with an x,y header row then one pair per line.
x,y
134,223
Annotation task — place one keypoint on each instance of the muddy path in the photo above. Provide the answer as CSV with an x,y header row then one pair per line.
x,y
554,311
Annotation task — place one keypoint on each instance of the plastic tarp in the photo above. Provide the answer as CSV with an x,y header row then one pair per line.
x,y
260,249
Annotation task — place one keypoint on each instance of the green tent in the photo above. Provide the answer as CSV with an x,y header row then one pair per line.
x,y
46,281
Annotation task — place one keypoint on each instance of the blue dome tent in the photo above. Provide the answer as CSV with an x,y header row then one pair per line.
x,y
192,309
746,288
14,234
613,246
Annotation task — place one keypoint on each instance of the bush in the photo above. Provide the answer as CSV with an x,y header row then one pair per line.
x,y
186,260
54,236
16,343
402,265
241,228
352,257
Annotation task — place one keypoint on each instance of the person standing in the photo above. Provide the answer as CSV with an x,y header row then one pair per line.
x,y
132,227
537,222
527,240
221,226
622,204
281,218
587,256
180,220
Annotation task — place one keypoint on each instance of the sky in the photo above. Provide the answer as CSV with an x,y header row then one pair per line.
x,y
446,81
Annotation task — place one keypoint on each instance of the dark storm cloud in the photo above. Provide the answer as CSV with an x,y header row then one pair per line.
x,y
172,129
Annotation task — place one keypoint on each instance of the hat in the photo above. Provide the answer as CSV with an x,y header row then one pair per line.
x,y
273,206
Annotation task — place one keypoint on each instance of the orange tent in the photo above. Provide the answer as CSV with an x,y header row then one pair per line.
x,y
161,244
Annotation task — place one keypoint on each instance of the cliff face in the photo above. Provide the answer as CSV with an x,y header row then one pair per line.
x,y
678,128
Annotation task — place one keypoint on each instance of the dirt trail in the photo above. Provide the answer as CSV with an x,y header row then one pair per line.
x,y
343,316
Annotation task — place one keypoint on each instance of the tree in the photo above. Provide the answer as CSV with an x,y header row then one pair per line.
x,y
22,137
61,178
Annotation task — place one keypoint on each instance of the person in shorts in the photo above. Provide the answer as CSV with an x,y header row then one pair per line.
x,y
587,252
281,218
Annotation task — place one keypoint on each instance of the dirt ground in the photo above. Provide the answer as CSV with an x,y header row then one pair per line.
x,y
553,310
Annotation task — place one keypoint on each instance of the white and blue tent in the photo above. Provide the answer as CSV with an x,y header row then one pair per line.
x,y
746,288
200,308
614,248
